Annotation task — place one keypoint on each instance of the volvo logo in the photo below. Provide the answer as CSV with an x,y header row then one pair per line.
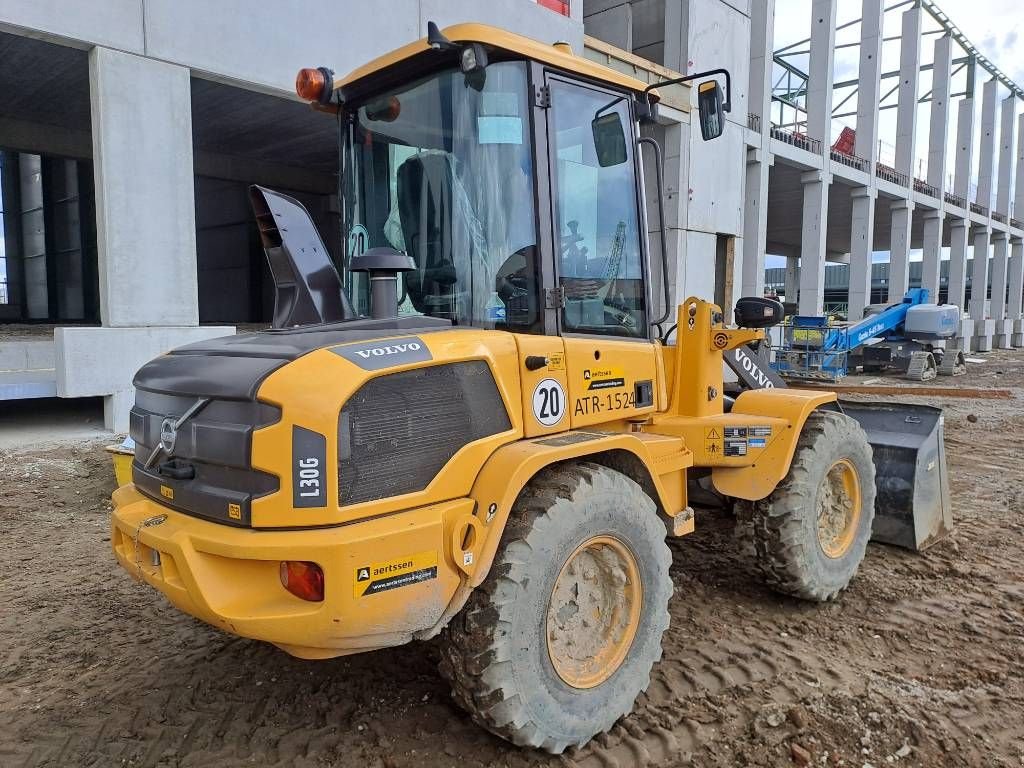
x,y
168,434
395,349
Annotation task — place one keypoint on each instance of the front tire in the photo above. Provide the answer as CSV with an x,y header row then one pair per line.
x,y
810,535
558,642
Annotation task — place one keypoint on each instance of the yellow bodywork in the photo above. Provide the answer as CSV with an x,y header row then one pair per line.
x,y
229,577
646,410
559,55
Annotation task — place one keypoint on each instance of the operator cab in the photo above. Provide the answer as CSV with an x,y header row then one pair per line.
x,y
512,183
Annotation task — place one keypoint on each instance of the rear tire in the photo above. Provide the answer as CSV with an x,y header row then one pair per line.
x,y
559,640
809,536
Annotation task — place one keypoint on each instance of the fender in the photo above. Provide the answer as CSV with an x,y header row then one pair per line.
x,y
512,466
759,480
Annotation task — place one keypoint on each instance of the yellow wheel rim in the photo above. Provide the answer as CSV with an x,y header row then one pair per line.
x,y
594,612
839,508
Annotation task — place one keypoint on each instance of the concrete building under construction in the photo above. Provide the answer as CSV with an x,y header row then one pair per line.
x,y
129,132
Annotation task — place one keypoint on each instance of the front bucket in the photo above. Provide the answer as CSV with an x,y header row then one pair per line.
x,y
912,507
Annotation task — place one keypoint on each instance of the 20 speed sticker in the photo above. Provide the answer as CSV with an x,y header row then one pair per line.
x,y
548,402
395,573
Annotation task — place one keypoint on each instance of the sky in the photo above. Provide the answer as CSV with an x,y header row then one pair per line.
x,y
995,27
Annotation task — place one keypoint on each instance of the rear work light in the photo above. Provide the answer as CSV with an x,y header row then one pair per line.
x,y
303,579
315,84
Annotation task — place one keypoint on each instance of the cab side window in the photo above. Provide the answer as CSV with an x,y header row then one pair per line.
x,y
600,266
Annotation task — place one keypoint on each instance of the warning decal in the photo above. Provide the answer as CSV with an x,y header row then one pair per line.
x,y
712,441
397,572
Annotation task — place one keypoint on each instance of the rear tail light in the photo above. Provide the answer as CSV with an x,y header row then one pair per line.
x,y
303,579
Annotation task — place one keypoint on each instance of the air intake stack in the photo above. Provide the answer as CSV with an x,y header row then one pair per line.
x,y
383,266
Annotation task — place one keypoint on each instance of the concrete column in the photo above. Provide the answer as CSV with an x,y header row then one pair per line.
x,y
1000,264
964,148
762,38
33,237
1018,201
866,144
902,214
862,231
988,143
792,287
931,253
983,327
820,76
1007,141
145,208
146,232
938,130
906,109
957,287
812,241
755,222
1015,279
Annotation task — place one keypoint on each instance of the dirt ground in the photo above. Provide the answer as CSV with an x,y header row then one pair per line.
x,y
921,661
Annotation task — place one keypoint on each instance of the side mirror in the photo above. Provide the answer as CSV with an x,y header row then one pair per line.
x,y
709,106
755,312
609,139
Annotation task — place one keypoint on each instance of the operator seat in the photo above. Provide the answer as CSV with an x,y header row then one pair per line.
x,y
426,199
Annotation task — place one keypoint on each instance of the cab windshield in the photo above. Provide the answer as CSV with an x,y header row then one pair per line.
x,y
442,169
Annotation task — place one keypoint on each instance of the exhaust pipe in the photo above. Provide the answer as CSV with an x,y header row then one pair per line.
x,y
383,266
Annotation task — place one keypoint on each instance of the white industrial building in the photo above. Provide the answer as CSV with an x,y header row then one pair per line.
x,y
129,132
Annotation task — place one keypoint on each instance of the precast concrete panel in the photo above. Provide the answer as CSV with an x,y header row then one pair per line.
x,y
931,253
112,23
1018,187
964,147
938,129
862,229
869,75
716,180
718,36
701,249
979,274
988,142
1007,126
264,46
145,206
901,213
906,110
956,289
1015,280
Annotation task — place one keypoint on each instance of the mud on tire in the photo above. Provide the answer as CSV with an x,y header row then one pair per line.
x,y
495,651
782,530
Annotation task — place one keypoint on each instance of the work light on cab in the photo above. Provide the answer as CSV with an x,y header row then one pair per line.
x,y
315,84
303,579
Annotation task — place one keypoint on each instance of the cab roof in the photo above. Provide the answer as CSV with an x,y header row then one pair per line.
x,y
558,55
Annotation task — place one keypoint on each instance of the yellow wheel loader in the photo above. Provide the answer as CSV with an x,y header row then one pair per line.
x,y
478,427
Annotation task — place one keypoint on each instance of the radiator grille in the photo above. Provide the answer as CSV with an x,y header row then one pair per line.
x,y
398,431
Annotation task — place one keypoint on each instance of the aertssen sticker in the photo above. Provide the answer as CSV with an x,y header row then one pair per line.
x,y
385,353
397,572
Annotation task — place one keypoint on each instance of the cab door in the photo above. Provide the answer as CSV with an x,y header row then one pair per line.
x,y
601,265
